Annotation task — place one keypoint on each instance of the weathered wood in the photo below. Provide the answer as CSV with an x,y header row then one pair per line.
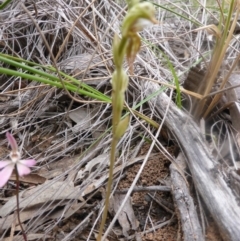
x,y
191,227
217,196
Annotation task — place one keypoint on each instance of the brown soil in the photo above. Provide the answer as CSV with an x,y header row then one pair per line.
x,y
148,212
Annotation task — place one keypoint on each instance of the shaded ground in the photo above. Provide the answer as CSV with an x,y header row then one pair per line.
x,y
146,205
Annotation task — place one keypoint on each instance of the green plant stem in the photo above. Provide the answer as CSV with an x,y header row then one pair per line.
x,y
228,33
117,111
32,71
4,4
109,187
216,61
68,86
18,209
116,118
36,69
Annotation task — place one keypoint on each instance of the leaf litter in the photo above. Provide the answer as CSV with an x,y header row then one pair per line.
x,y
63,198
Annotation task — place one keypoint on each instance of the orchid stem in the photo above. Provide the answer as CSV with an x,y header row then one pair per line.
x,y
109,187
129,45
18,209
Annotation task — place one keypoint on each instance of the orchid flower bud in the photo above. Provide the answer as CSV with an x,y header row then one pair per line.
x,y
122,127
138,17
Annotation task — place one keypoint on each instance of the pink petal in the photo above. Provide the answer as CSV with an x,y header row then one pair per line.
x,y
4,163
28,162
22,169
5,174
12,142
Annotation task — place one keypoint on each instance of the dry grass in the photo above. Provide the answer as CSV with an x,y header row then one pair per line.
x,y
80,35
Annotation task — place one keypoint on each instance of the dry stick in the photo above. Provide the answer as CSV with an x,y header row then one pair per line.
x,y
222,90
181,195
217,196
202,214
146,189
162,204
19,90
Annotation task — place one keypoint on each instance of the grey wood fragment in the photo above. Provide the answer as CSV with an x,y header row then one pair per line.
x,y
234,179
146,189
191,228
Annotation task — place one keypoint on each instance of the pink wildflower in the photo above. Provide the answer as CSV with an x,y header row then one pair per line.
x,y
7,166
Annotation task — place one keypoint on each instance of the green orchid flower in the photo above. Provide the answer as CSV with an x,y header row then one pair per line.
x,y
139,15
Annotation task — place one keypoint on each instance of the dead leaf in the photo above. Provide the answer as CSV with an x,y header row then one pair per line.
x,y
211,29
78,63
30,178
56,168
4,98
84,117
126,218
73,208
102,159
49,191
26,214
31,236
